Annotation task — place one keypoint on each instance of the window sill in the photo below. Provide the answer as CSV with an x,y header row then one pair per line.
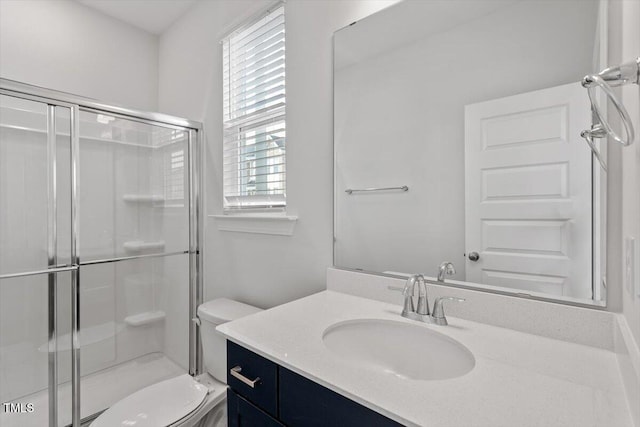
x,y
280,225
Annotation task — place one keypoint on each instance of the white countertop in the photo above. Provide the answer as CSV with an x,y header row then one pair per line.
x,y
518,380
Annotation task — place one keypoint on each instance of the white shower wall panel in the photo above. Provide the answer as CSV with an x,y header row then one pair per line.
x,y
96,199
112,293
24,236
23,200
24,368
173,299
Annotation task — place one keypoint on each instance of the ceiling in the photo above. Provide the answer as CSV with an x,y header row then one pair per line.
x,y
153,16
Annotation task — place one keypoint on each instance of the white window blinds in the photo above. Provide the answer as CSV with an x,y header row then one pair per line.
x,y
254,114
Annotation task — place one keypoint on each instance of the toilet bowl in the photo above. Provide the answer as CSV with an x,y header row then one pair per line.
x,y
185,401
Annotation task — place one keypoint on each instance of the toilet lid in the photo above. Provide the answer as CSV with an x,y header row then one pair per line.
x,y
160,404
222,310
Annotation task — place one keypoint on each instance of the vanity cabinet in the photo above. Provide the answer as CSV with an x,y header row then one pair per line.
x,y
283,398
242,413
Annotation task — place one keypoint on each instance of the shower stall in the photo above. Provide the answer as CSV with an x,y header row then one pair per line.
x,y
99,253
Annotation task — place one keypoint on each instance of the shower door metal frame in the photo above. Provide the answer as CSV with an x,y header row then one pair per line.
x,y
52,255
76,104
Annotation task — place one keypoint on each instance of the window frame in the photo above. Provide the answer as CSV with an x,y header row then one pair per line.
x,y
272,197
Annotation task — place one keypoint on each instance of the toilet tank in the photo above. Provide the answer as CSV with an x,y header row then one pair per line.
x,y
214,346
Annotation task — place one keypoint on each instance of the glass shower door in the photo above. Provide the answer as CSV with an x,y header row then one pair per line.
x,y
98,255
35,279
134,261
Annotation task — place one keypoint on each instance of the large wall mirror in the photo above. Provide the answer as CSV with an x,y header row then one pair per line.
x,y
457,139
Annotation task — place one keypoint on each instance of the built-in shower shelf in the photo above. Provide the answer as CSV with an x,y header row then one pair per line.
x,y
145,318
143,198
142,246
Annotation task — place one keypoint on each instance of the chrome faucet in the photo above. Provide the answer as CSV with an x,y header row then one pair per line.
x,y
409,291
421,313
446,268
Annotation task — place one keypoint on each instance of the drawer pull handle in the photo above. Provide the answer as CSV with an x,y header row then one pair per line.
x,y
235,372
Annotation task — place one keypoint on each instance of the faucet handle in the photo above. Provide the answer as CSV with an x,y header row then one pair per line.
x,y
408,299
438,309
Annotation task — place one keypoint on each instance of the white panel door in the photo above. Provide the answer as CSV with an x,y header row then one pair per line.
x,y
529,192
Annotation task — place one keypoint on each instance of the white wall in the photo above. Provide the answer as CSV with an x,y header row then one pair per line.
x,y
63,45
631,161
261,269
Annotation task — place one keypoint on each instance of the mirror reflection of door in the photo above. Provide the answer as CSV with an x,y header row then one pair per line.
x,y
475,106
529,192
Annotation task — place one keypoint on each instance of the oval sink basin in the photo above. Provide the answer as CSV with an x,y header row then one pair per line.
x,y
396,348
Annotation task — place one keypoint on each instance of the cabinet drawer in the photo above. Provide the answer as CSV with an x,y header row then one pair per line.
x,y
242,413
304,403
254,378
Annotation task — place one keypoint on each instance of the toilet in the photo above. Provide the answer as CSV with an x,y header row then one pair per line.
x,y
185,401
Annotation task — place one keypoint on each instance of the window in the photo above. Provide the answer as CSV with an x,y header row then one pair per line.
x,y
254,170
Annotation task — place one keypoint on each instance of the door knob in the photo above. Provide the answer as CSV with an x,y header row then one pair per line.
x,y
474,256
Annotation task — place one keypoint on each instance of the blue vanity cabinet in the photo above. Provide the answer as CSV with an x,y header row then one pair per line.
x,y
264,393
242,413
306,403
271,395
